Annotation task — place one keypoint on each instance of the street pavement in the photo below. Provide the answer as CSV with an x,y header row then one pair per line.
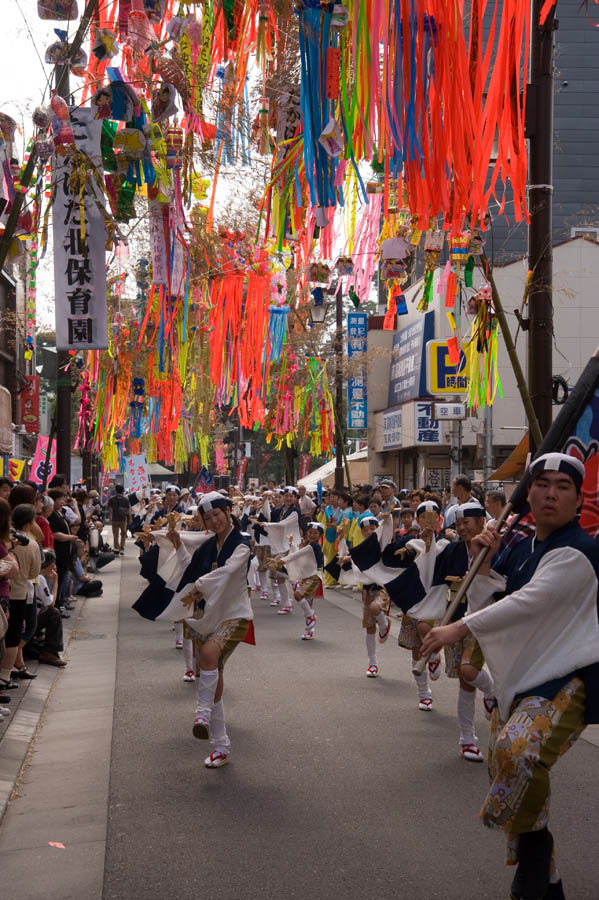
x,y
338,786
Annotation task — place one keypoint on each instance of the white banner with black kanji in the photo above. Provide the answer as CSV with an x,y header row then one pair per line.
x,y
79,253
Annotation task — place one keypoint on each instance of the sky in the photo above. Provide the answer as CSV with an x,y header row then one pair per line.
x,y
23,80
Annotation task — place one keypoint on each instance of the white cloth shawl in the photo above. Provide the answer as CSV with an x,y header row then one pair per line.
x,y
301,564
545,630
280,532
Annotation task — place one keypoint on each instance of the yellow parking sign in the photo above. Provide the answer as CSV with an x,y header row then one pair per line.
x,y
441,376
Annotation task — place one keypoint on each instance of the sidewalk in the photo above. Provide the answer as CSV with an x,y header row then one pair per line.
x,y
55,760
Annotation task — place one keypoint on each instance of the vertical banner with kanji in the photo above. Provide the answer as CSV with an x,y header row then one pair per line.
x,y
137,475
80,240
304,465
357,343
30,404
240,472
38,463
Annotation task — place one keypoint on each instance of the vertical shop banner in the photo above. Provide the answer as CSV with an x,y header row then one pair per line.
x,y
357,343
38,463
304,465
137,475
240,472
30,404
80,241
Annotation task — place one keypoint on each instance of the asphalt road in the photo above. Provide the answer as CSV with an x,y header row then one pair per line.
x,y
338,786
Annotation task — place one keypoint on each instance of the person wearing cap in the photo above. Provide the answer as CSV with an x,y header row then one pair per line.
x,y
260,514
283,536
461,488
416,555
170,503
304,567
541,644
375,600
210,594
450,566
307,506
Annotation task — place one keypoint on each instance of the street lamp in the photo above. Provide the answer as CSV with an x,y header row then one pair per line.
x,y
318,309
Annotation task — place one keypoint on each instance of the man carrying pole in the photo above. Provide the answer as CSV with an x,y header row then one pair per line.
x,y
541,644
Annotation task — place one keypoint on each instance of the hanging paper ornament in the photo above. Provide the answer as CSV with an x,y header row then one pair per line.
x,y
339,17
45,147
277,330
175,27
331,139
8,127
163,102
102,100
263,126
333,72
60,54
105,45
41,118
345,265
140,34
319,272
174,147
61,123
57,10
130,142
154,10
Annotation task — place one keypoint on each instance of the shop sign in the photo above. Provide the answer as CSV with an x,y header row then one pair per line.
x,y
392,429
426,429
407,378
441,376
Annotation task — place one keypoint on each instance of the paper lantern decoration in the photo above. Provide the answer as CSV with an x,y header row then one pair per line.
x,y
174,147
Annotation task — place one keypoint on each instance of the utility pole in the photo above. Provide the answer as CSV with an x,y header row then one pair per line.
x,y
339,453
63,377
540,233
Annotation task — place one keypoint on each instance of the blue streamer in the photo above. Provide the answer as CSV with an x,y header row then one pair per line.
x,y
277,330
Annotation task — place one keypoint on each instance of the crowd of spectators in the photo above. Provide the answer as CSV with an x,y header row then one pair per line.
x,y
50,546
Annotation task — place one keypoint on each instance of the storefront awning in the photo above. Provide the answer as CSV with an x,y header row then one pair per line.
x,y
513,467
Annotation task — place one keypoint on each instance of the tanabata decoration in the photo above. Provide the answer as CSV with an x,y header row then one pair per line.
x,y
207,319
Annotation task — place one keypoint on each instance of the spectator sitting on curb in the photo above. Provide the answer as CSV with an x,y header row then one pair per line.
x,y
83,585
48,642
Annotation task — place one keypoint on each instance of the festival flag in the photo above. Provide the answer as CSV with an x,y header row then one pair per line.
x,y
38,464
15,469
576,431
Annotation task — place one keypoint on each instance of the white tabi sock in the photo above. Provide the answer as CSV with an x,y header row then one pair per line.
x,y
188,654
284,591
306,608
178,631
371,649
207,684
424,691
484,683
263,581
381,621
219,739
466,705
